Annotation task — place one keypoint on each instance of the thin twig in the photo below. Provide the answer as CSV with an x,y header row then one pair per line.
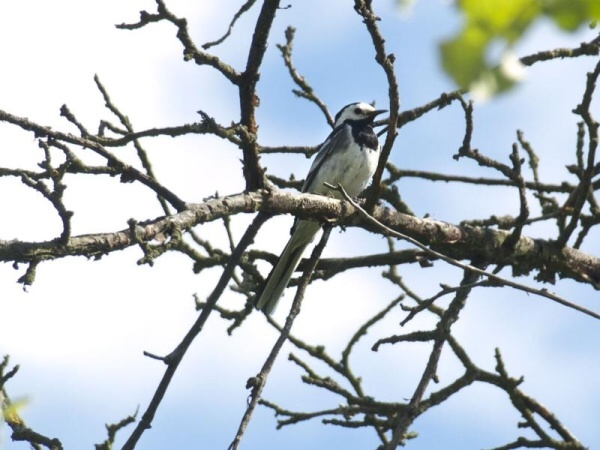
x,y
583,109
244,8
386,61
190,52
257,383
9,413
128,172
591,48
521,287
174,358
306,91
397,173
442,332
141,152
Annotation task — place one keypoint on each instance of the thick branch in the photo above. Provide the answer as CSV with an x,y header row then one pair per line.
x,y
249,100
458,242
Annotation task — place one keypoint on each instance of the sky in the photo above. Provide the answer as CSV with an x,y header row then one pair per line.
x,y
79,332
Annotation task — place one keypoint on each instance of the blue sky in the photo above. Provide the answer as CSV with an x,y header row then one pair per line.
x,y
79,333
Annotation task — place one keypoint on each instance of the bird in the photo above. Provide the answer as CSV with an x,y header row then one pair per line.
x,y
349,157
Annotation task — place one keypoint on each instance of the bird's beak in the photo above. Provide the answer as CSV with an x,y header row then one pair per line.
x,y
376,113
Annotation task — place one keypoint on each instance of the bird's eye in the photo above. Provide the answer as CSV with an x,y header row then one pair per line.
x,y
357,111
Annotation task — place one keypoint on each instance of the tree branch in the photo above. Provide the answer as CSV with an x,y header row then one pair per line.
x,y
457,242
249,100
386,61
174,358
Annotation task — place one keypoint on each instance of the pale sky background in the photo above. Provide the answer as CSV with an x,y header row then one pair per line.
x,y
79,333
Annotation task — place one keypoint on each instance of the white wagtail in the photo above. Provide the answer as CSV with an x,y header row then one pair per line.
x,y
348,157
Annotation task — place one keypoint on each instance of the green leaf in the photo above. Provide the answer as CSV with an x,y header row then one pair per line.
x,y
465,57
572,14
506,19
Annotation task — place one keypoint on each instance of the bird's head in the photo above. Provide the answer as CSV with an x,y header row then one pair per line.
x,y
357,111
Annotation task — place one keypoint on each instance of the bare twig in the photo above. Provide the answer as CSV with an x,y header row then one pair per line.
x,y
257,383
582,192
442,332
386,61
397,173
306,91
112,430
190,51
244,8
445,99
141,152
541,292
521,220
128,172
591,48
10,414
174,358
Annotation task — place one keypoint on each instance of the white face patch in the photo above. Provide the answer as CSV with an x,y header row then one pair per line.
x,y
354,111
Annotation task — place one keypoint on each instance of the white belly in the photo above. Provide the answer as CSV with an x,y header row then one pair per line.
x,y
352,168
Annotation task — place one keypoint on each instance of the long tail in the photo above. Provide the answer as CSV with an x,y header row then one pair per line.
x,y
288,261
